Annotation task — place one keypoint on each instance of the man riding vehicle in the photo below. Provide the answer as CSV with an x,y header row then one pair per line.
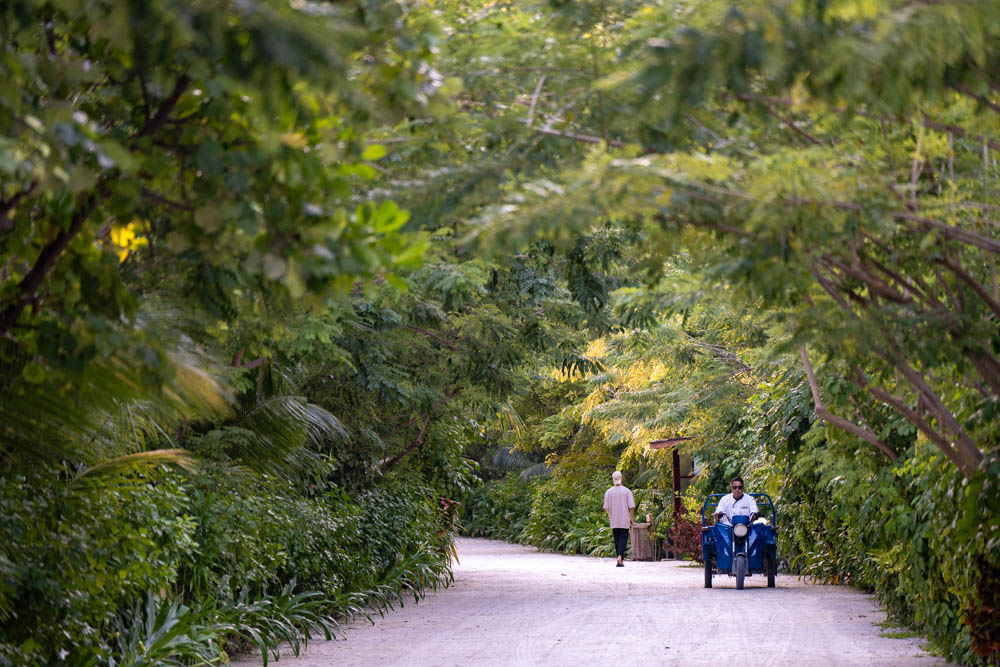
x,y
736,503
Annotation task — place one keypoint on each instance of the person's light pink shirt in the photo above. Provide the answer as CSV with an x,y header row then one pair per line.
x,y
617,502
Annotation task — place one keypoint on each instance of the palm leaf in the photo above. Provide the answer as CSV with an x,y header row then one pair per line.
x,y
139,462
281,435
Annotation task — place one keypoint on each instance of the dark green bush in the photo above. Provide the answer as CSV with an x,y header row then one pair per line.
x,y
919,535
500,509
75,554
223,556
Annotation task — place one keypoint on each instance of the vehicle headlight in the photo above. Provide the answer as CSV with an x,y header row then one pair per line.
x,y
741,530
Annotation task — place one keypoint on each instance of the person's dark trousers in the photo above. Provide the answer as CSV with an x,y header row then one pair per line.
x,y
621,541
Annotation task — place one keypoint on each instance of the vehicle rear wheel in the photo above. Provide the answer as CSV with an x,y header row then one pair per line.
x,y
708,572
771,567
740,570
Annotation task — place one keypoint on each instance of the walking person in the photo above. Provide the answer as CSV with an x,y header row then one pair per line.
x,y
619,503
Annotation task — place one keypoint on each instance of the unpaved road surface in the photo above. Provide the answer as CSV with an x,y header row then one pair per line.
x,y
511,605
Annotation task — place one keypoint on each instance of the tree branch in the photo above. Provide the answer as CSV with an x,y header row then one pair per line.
x,y
32,280
450,344
959,132
970,453
968,92
873,283
585,138
826,415
534,99
160,199
976,286
784,119
6,207
166,107
910,414
414,445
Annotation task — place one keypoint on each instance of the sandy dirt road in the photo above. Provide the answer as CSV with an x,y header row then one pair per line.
x,y
511,605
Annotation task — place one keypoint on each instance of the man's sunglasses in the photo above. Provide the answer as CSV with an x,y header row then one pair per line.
x,y
737,486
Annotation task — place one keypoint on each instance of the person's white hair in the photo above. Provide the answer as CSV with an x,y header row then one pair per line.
x,y
616,477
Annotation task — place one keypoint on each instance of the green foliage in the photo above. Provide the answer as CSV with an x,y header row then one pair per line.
x,y
78,554
918,534
501,509
567,514
207,154
162,632
203,555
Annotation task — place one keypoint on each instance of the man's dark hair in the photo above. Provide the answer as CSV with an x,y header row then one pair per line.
x,y
737,479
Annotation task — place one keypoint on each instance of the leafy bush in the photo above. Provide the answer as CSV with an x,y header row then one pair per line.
x,y
567,513
77,553
685,533
919,535
139,572
500,509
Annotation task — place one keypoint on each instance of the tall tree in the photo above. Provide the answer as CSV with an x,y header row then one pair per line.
x,y
212,155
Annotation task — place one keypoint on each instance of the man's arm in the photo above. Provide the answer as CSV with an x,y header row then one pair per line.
x,y
722,509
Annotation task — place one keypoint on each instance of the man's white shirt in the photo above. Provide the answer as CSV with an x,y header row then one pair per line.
x,y
731,507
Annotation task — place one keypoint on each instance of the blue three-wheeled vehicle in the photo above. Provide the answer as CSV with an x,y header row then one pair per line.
x,y
740,550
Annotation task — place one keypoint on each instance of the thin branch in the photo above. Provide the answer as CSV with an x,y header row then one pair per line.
x,y
928,122
534,99
908,287
976,286
910,414
722,227
824,414
450,344
790,123
987,366
146,105
959,132
414,445
947,231
166,107
873,283
965,90
6,207
971,453
585,138
32,280
160,199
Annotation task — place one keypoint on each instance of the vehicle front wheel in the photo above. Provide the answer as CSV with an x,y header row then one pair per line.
x,y
771,567
708,572
740,570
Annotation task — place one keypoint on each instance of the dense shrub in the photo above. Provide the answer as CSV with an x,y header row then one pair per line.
x,y
182,565
919,535
567,514
500,509
75,554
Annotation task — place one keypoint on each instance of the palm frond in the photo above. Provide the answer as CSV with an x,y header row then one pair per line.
x,y
538,470
282,435
83,421
139,462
